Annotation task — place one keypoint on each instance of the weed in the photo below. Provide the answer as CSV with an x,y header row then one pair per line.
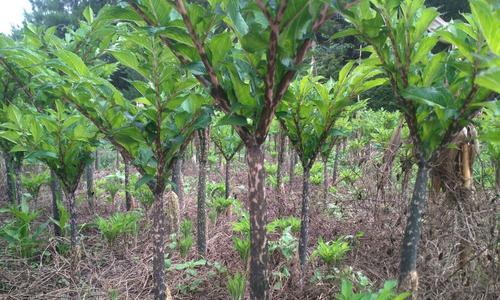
x,y
112,185
242,246
18,231
33,183
119,225
281,224
236,286
287,244
185,241
388,292
216,189
63,218
331,252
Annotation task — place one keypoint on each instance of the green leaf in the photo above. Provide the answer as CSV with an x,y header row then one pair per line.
x,y
402,296
126,58
19,148
345,33
432,68
144,180
193,103
219,46
67,123
10,136
40,155
241,90
346,289
424,49
233,10
88,14
233,120
128,135
36,131
373,83
73,61
487,17
463,47
344,71
115,13
431,96
15,116
490,79
424,21
83,133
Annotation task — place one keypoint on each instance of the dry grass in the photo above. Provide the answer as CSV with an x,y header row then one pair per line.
x,y
125,272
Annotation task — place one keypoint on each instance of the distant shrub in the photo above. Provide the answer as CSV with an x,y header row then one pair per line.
x,y
286,244
33,183
216,189
111,184
185,241
141,193
271,169
349,176
316,179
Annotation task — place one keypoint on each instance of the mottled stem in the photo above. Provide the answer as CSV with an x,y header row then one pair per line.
x,y
304,226
202,195
408,266
258,220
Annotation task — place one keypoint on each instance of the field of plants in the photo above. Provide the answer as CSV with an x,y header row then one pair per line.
x,y
224,149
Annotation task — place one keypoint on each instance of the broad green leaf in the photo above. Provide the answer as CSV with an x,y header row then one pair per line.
x,y
433,68
88,14
128,135
345,33
233,120
19,148
36,131
219,46
144,180
11,136
42,155
423,21
487,16
126,58
241,90
424,49
114,13
233,10
490,79
431,96
461,45
73,61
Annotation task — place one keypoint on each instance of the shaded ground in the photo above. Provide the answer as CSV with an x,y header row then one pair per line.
x,y
124,271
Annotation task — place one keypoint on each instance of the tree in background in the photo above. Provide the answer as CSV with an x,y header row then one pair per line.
x,y
63,14
228,144
450,9
13,160
64,141
308,115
